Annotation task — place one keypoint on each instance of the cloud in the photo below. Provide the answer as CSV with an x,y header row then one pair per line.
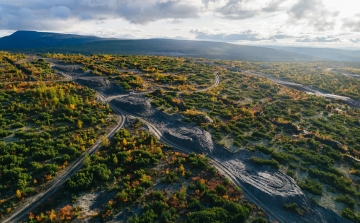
x,y
176,21
355,40
273,6
61,12
139,13
352,24
235,11
250,35
262,17
207,2
134,11
312,13
14,17
319,39
238,10
85,16
21,19
247,35
27,13
280,36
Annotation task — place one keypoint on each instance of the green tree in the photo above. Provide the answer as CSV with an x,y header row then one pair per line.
x,y
79,124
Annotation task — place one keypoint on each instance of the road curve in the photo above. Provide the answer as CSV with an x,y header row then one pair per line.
x,y
217,82
102,98
60,179
308,89
214,162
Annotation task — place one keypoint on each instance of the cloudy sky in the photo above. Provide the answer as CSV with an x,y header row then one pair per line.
x,y
332,23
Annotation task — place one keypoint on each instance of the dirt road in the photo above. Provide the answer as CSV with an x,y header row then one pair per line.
x,y
60,179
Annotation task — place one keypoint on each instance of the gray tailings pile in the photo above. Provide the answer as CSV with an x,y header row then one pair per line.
x,y
266,187
172,127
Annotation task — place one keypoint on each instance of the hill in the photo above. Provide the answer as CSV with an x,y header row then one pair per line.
x,y
35,40
169,47
40,42
324,53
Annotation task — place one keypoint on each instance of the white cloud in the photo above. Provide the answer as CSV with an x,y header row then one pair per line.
x,y
355,40
352,24
247,35
319,39
138,12
312,13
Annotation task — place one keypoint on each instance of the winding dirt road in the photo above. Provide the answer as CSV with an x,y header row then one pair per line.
x,y
153,129
220,164
308,89
217,82
31,203
60,179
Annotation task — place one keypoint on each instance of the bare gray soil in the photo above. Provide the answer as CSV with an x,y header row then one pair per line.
x,y
172,127
271,188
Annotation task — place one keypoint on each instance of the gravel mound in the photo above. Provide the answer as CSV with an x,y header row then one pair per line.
x,y
100,84
137,105
190,137
173,127
271,188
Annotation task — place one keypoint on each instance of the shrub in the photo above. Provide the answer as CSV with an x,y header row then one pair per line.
x,y
346,199
261,162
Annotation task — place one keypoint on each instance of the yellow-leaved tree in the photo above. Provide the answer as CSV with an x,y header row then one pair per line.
x,y
18,193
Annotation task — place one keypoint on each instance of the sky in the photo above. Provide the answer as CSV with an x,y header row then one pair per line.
x,y
331,23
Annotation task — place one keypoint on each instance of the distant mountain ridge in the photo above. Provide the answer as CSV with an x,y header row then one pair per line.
x,y
329,54
184,48
42,42
35,40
